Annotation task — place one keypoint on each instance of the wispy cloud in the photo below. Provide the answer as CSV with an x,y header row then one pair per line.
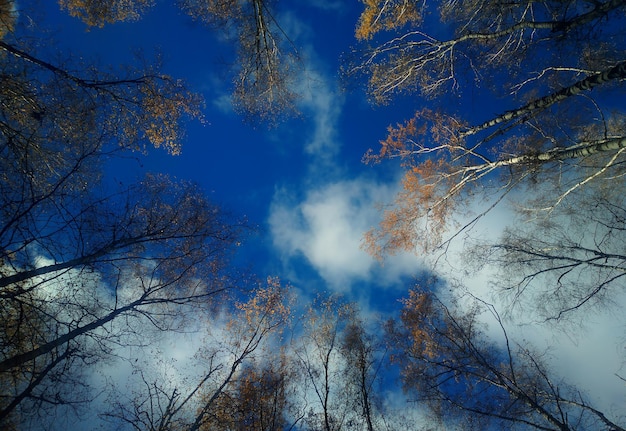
x,y
319,98
323,103
327,4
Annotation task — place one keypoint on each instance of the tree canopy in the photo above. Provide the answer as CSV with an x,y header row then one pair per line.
x,y
100,277
559,71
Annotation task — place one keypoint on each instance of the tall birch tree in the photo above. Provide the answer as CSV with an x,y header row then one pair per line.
x,y
554,71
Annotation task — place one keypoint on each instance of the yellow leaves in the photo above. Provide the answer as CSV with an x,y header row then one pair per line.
x,y
163,107
97,13
416,314
386,15
433,185
255,400
8,15
212,11
365,28
419,215
268,307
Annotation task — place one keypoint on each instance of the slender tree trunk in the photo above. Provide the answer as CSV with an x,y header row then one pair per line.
x,y
614,73
573,152
40,376
367,410
17,360
82,261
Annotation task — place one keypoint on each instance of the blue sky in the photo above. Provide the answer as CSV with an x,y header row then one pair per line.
x,y
302,183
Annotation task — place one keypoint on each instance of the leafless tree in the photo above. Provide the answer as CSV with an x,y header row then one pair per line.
x,y
449,365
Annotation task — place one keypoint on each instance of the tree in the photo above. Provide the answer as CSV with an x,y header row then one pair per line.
x,y
448,364
257,401
543,58
319,358
74,256
230,389
420,55
44,102
87,265
266,58
68,246
143,255
264,315
362,355
570,261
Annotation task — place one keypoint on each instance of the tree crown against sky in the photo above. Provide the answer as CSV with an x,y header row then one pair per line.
x,y
448,363
266,58
79,258
100,277
542,60
555,149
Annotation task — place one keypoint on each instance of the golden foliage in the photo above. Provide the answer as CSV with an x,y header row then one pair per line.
x,y
268,303
386,15
163,108
212,11
267,311
131,108
7,17
256,401
97,13
422,209
417,310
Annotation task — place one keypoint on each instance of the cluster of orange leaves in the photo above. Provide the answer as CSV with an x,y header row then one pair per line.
x,y
163,108
212,11
416,313
386,15
421,211
256,402
268,304
97,13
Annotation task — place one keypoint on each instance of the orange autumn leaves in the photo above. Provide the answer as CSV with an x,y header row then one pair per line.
x,y
386,15
268,307
163,108
97,13
257,401
430,152
417,312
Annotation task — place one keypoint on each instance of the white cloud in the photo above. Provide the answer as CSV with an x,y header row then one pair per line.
x,y
321,100
223,102
587,356
327,227
327,224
